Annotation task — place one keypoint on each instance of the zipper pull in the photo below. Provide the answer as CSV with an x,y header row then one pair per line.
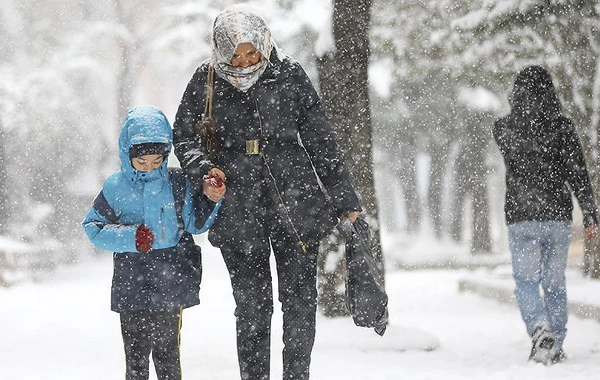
x,y
162,223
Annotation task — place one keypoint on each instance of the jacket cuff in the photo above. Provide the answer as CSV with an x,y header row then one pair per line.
x,y
590,219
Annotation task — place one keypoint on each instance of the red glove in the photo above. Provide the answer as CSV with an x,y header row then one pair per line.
x,y
213,179
143,239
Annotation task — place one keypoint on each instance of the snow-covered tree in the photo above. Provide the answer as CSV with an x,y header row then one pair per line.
x,y
422,116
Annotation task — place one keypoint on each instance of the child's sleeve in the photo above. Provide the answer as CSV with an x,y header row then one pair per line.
x,y
104,230
200,218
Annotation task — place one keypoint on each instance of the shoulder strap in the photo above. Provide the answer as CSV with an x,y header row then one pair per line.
x,y
178,183
104,208
208,98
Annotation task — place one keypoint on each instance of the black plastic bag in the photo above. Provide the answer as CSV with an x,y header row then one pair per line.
x,y
366,298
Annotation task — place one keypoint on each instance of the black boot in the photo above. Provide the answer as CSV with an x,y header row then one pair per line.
x,y
558,356
542,343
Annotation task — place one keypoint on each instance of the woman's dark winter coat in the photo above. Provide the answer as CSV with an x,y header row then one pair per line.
x,y
283,111
542,154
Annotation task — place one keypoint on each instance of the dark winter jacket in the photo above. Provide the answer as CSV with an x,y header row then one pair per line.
x,y
542,154
283,111
168,276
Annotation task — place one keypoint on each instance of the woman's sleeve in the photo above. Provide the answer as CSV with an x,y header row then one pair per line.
x,y
577,174
104,230
319,140
188,150
513,161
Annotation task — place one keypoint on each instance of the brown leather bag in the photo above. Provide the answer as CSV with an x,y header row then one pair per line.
x,y
206,128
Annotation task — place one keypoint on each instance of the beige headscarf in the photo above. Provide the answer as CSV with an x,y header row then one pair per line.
x,y
235,25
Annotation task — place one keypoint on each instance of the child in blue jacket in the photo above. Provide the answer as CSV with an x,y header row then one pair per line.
x,y
145,215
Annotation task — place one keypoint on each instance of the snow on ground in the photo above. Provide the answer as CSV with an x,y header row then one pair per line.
x,y
63,329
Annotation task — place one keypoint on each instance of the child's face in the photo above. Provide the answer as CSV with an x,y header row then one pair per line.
x,y
148,162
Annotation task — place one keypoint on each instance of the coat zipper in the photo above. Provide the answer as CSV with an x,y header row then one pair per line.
x,y
303,246
162,223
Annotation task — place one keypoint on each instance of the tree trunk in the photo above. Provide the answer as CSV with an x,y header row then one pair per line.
x,y
345,93
591,249
405,169
478,139
481,241
4,191
127,76
580,77
439,159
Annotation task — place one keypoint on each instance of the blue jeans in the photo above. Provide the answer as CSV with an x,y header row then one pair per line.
x,y
539,257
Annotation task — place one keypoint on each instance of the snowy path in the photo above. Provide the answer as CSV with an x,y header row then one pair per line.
x,y
64,330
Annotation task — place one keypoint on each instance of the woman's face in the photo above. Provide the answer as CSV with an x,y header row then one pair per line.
x,y
245,55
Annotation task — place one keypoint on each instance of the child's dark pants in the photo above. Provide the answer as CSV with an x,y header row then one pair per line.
x,y
146,332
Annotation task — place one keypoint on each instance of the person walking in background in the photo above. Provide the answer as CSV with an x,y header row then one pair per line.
x,y
272,137
145,215
544,163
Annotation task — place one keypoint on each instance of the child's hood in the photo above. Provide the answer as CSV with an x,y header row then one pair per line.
x,y
143,124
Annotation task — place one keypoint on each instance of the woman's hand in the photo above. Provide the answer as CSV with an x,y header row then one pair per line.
x,y
351,216
212,188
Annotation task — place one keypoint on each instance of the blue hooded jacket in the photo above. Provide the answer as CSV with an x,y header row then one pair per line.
x,y
169,275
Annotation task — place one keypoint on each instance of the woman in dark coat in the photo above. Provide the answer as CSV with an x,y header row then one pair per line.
x,y
276,148
544,166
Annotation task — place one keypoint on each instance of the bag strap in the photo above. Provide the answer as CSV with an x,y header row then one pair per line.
x,y
179,185
206,128
178,182
104,208
208,98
